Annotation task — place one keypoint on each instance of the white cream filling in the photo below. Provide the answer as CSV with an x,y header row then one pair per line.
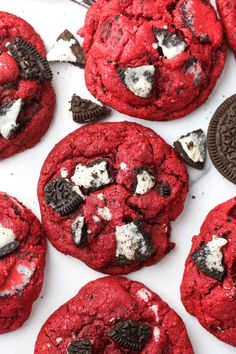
x,y
196,70
105,213
91,176
7,236
156,333
144,294
140,80
129,240
215,256
194,146
145,182
169,50
77,228
8,120
62,51
123,166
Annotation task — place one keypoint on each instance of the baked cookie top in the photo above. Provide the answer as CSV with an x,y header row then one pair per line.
x,y
114,315
156,59
107,194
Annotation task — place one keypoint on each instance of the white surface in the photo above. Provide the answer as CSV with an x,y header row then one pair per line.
x,y
65,275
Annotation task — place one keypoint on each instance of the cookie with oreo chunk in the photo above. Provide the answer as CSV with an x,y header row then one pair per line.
x,y
22,262
114,315
112,189
162,67
209,284
27,98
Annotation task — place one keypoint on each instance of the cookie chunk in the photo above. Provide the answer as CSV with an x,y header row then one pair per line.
x,y
227,11
27,98
111,189
114,315
22,262
208,288
156,59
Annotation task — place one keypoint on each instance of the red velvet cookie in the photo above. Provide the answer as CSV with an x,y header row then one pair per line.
x,y
22,262
157,59
114,316
107,194
227,11
27,98
208,288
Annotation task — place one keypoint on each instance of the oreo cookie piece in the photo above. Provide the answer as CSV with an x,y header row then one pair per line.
x,y
132,243
93,176
67,49
80,346
32,65
79,230
131,335
164,189
84,3
192,148
114,315
208,258
221,139
138,80
86,111
63,196
9,113
8,242
144,181
169,43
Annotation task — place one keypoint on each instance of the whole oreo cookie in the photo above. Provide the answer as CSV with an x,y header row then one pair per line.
x,y
22,262
221,138
208,288
157,59
114,315
27,98
111,189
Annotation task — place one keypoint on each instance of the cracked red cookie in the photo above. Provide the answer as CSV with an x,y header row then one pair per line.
x,y
27,98
114,316
156,59
107,194
22,262
227,11
208,288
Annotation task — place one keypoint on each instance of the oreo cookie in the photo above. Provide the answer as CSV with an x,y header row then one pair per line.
x,y
221,139
138,80
67,49
32,65
63,196
79,230
86,111
84,3
192,148
132,243
9,113
164,189
80,346
208,258
144,181
93,176
131,335
169,44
